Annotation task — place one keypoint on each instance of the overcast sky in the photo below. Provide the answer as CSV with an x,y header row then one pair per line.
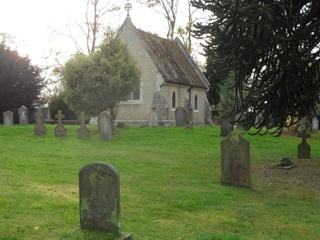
x,y
33,22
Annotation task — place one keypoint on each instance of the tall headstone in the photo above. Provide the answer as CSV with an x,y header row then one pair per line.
x,y
235,161
105,126
83,131
59,130
39,127
180,116
99,193
23,115
8,118
315,123
304,147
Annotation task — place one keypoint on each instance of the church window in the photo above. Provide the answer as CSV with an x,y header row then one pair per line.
x,y
135,95
196,102
173,100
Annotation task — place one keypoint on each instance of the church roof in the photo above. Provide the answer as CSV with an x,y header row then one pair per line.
x,y
171,58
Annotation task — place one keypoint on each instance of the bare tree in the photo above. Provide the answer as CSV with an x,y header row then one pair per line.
x,y
169,9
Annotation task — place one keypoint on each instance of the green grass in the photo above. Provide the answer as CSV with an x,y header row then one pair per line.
x,y
169,186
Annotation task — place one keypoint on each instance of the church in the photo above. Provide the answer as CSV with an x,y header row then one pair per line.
x,y
171,86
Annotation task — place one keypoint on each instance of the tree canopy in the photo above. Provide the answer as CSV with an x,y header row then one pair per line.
x,y
20,81
99,81
273,49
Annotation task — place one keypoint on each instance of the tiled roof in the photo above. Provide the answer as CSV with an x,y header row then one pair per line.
x,y
173,61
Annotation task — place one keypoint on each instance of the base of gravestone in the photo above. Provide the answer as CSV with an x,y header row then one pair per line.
x,y
126,236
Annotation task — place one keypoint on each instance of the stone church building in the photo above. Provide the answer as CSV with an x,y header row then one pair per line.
x,y
171,83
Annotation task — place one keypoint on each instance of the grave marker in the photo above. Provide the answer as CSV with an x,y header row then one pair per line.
x,y
59,130
99,193
105,126
23,115
83,131
39,127
180,116
304,147
235,161
8,118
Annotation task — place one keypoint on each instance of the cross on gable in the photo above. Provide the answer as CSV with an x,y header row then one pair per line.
x,y
128,7
304,135
59,116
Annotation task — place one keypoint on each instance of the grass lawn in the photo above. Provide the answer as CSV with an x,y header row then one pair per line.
x,y
170,185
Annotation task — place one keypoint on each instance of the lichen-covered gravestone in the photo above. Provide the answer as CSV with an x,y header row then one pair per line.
x,y
39,127
59,130
304,147
83,131
105,126
235,161
23,115
99,191
8,119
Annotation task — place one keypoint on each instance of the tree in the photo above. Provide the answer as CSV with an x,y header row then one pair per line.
x,y
20,81
169,11
57,103
99,81
273,47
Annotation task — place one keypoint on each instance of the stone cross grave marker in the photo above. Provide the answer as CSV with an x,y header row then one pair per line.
x,y
235,161
23,115
304,147
99,193
180,116
59,130
39,127
8,118
105,126
83,131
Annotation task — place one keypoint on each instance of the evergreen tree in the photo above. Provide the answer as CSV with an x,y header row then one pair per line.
x,y
20,81
273,47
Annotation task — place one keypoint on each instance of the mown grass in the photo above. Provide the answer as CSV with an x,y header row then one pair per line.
x,y
170,186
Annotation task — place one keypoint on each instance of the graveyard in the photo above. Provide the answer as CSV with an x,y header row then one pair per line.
x,y
169,185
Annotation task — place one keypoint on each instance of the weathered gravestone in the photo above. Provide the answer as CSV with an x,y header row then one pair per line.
x,y
59,130
23,115
83,131
8,118
105,126
304,147
315,123
99,192
180,116
39,127
235,161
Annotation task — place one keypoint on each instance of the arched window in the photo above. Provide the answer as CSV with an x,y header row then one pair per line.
x,y
173,100
196,102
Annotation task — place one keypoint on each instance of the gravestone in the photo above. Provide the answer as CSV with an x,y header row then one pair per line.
x,y
105,126
8,118
83,131
226,126
99,194
315,123
235,161
180,116
39,127
23,115
59,130
304,147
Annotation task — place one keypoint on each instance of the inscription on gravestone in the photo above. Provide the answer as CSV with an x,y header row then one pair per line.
x,y
99,190
59,130
235,161
304,147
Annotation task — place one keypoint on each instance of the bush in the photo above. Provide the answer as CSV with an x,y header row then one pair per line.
x,y
57,103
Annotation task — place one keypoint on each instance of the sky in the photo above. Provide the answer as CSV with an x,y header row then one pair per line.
x,y
38,25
